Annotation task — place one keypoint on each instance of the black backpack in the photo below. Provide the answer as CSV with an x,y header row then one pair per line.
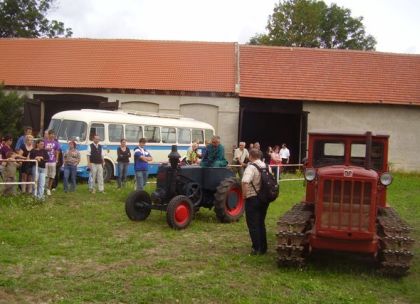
x,y
269,189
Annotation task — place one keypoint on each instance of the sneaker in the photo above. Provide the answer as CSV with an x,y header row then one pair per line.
x,y
48,192
93,191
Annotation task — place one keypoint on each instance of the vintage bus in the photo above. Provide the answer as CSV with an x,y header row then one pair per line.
x,y
161,131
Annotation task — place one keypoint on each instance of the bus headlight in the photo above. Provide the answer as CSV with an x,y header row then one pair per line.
x,y
310,174
386,179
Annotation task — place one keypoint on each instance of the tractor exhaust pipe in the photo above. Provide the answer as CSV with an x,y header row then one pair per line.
x,y
174,161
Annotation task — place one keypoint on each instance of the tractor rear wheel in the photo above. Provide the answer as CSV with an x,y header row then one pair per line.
x,y
137,205
179,212
229,204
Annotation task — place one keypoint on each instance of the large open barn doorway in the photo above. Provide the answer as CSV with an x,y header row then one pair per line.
x,y
49,104
273,123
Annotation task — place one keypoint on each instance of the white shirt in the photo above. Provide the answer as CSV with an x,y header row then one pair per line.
x,y
240,154
284,153
252,175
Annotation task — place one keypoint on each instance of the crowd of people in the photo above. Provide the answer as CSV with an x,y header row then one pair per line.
x,y
35,161
36,164
274,156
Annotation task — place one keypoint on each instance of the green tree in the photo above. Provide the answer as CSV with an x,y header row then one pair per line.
x,y
311,23
27,19
11,112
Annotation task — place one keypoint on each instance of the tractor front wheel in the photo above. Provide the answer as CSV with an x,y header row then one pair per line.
x,y
229,204
137,205
179,212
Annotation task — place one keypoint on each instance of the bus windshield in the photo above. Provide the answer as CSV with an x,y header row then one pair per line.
x,y
72,129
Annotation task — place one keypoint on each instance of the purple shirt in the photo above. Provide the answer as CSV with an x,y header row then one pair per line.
x,y
52,146
4,150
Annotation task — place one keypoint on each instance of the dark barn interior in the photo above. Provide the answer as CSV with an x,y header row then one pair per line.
x,y
272,123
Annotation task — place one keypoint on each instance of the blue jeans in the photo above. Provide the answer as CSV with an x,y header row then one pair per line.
x,y
39,177
70,171
141,179
122,173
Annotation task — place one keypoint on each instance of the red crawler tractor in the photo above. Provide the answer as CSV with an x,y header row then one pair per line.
x,y
345,206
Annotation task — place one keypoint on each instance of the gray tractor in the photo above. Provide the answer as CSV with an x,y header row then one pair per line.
x,y
183,190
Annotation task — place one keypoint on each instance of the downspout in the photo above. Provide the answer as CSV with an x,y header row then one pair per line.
x,y
368,162
238,70
238,89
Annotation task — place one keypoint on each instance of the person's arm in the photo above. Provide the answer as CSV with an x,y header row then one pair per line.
x,y
19,144
57,153
221,155
103,155
244,164
244,189
120,154
88,157
246,180
147,157
78,158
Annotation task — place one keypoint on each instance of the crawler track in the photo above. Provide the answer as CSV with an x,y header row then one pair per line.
x,y
291,235
395,253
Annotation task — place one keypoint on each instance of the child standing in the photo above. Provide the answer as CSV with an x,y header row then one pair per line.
x,y
9,172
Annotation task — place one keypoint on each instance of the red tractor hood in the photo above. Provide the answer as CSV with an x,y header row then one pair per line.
x,y
347,171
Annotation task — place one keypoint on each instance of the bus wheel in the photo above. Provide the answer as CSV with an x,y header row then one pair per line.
x,y
108,171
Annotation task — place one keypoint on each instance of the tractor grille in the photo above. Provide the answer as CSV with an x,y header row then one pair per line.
x,y
346,205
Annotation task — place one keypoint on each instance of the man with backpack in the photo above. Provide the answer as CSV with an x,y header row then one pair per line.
x,y
258,191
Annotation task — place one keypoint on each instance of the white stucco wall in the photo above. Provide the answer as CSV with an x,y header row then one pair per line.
x,y
221,112
402,123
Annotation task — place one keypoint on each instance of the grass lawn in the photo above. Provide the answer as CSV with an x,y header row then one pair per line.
x,y
81,247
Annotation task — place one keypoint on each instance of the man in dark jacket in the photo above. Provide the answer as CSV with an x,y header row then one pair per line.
x,y
95,160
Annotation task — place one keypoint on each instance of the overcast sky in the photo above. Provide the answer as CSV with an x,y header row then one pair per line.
x,y
394,23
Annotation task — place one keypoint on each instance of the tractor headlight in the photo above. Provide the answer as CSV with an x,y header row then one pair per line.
x,y
310,174
386,179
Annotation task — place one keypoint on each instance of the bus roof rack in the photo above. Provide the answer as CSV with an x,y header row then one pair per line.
x,y
153,114
142,113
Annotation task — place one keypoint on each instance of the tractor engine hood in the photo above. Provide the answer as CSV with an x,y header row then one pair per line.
x,y
340,171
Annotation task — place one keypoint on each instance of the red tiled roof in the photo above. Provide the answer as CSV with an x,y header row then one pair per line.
x,y
265,72
329,75
118,64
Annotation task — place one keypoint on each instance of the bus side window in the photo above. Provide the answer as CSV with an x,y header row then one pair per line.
x,y
168,135
198,136
133,133
208,134
115,133
184,136
152,134
97,129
